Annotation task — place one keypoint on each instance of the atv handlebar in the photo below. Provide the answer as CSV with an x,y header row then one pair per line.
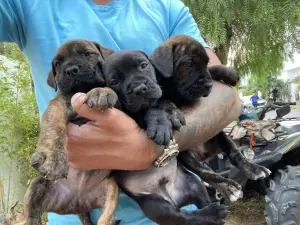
x,y
285,103
273,106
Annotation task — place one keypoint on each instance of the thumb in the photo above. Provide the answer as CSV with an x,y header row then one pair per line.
x,y
83,110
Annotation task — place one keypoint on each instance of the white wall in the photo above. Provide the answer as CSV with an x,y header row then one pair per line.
x,y
290,70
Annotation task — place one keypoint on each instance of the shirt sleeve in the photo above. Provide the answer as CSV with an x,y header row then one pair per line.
x,y
182,22
12,17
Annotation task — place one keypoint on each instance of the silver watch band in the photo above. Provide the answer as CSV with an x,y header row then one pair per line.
x,y
168,154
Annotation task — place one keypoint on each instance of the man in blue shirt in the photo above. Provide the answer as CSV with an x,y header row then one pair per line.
x,y
114,141
254,98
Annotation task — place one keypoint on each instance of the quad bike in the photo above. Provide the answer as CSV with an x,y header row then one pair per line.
x,y
274,144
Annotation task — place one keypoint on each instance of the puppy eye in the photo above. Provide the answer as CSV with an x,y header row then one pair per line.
x,y
113,82
87,54
188,63
57,63
144,65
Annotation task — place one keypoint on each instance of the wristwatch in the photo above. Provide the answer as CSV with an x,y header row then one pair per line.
x,y
168,154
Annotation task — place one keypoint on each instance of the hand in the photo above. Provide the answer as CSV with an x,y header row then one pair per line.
x,y
111,140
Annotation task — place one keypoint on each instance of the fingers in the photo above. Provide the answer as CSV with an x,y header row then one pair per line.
x,y
85,111
112,118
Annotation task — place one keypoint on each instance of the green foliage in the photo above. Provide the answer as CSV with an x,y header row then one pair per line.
x,y
262,34
267,84
19,119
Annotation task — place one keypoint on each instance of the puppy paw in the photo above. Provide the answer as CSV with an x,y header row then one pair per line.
x,y
233,77
51,165
214,214
174,114
160,132
101,98
230,190
229,75
254,171
159,126
177,118
215,210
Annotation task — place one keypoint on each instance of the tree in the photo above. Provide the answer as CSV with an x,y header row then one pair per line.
x,y
19,119
266,86
260,34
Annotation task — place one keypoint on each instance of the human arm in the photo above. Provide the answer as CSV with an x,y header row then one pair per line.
x,y
209,116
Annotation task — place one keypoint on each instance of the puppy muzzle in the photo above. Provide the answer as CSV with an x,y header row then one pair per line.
x,y
143,97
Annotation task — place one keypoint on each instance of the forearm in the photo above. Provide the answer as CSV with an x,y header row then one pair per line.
x,y
209,116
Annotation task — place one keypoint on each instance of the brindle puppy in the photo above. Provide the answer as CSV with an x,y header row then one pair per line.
x,y
184,76
160,192
75,68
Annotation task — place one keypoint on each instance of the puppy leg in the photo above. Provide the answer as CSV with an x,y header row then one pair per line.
x,y
50,159
33,201
228,75
111,202
161,120
85,218
162,212
228,188
251,170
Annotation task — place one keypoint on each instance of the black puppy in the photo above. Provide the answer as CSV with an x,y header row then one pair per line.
x,y
184,76
160,192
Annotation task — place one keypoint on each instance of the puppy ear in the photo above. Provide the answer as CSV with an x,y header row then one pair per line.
x,y
51,78
162,60
103,51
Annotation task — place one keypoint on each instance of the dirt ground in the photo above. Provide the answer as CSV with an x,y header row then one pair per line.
x,y
247,212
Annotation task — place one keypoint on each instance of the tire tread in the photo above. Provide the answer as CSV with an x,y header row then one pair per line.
x,y
283,198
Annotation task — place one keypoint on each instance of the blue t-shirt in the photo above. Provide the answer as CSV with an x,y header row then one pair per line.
x,y
39,27
254,99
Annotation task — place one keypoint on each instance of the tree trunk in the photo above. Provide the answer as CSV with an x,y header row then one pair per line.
x,y
222,50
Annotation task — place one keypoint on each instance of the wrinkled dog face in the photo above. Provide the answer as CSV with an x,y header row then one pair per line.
x,y
132,77
183,61
76,66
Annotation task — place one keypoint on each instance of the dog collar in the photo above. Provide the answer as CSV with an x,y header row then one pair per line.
x,y
168,155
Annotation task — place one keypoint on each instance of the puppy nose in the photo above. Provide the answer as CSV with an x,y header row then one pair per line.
x,y
72,70
140,90
208,85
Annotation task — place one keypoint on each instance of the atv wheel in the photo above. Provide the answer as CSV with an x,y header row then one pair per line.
x,y
283,198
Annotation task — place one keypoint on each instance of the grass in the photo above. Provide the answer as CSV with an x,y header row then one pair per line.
x,y
247,212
